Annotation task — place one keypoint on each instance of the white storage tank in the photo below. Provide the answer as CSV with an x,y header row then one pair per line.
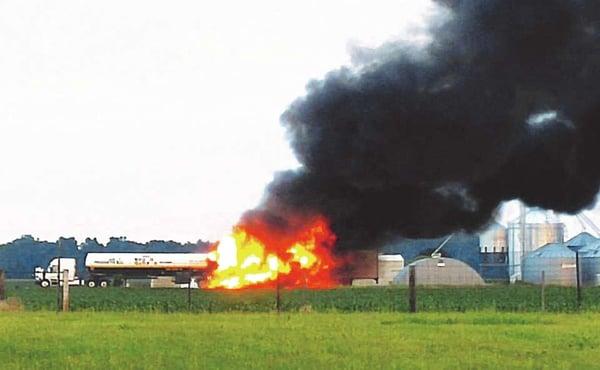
x,y
389,266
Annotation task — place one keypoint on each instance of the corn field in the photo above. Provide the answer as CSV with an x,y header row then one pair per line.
x,y
510,298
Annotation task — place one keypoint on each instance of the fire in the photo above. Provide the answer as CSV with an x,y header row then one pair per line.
x,y
258,255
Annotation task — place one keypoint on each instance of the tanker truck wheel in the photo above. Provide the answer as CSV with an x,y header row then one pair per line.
x,y
91,284
103,284
44,283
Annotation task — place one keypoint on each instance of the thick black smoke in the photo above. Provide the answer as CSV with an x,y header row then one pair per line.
x,y
503,103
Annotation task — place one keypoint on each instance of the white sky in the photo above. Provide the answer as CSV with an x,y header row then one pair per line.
x,y
160,120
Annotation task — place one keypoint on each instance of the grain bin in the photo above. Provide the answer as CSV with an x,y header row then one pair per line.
x,y
555,260
441,271
389,266
589,264
580,240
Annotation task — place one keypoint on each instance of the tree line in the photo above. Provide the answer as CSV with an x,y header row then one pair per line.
x,y
19,257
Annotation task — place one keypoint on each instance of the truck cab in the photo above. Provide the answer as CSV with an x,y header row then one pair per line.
x,y
49,276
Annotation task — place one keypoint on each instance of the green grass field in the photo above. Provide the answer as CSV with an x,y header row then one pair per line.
x,y
92,340
509,298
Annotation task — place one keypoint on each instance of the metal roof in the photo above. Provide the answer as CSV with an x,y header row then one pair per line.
x,y
581,240
440,271
552,250
591,248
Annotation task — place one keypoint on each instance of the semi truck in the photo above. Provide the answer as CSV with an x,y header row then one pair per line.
x,y
104,266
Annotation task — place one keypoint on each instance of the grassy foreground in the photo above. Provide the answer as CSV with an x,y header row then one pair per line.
x,y
81,340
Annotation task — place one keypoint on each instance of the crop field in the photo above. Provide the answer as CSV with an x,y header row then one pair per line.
x,y
118,340
509,298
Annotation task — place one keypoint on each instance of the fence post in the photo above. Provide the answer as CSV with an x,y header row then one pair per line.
x,y
189,291
412,289
58,291
65,291
278,302
578,280
2,289
543,291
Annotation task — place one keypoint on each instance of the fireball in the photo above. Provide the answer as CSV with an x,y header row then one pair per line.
x,y
259,255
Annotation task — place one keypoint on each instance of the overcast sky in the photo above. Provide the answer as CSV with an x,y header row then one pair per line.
x,y
160,120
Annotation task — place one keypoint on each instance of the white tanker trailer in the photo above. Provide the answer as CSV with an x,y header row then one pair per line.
x,y
103,267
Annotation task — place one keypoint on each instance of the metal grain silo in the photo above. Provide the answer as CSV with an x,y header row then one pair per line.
x,y
441,271
532,230
389,266
589,264
555,260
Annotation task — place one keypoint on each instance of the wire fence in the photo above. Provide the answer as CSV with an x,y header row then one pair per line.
x,y
438,287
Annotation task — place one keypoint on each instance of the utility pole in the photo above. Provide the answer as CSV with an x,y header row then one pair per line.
x,y
278,297
58,292
377,264
543,291
578,280
522,228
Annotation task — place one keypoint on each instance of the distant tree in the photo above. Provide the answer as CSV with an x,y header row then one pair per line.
x,y
19,257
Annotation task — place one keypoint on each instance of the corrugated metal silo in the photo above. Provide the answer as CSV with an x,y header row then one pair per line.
x,y
589,264
556,260
441,271
389,266
580,240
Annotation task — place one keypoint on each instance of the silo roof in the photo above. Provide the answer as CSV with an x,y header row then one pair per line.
x,y
591,248
581,240
552,250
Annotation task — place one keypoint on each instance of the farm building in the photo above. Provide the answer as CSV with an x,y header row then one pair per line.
x,y
462,246
493,247
485,253
555,260
558,261
441,271
533,229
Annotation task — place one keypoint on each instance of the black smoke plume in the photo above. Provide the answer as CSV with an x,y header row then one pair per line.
x,y
503,103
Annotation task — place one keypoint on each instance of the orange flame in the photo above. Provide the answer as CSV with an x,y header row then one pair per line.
x,y
257,255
